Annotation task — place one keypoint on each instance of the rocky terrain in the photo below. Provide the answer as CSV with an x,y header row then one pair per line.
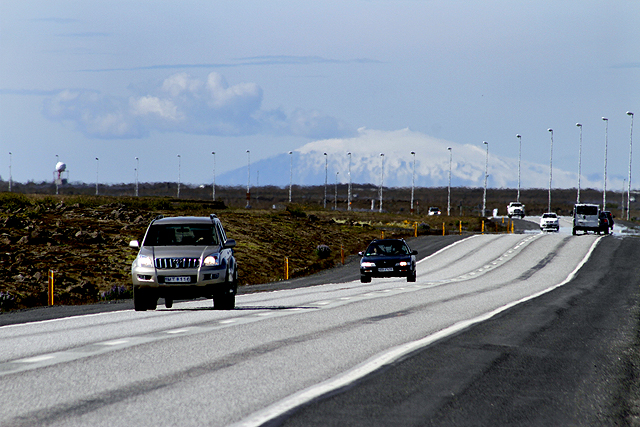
x,y
84,240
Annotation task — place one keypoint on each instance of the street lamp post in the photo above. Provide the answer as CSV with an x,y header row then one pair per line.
x,y
179,167
413,179
213,187
629,113
248,180
335,199
10,175
290,173
579,162
56,178
326,166
137,168
381,180
449,189
519,158
550,167
486,174
606,144
97,166
349,189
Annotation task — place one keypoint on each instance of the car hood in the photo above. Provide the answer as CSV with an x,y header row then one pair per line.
x,y
182,251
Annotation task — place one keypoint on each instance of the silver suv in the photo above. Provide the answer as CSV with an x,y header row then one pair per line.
x,y
181,258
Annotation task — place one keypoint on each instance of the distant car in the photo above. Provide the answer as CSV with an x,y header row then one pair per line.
x,y
586,217
434,211
388,258
606,222
549,221
184,257
609,217
515,209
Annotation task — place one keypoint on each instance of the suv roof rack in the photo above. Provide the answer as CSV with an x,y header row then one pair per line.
x,y
212,216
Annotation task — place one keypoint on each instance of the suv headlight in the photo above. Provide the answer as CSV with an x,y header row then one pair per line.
x,y
145,261
367,264
211,260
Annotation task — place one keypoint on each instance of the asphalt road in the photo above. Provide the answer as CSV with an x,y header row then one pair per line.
x,y
498,329
569,357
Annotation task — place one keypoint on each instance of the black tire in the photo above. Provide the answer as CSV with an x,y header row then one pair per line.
x,y
574,232
365,279
224,302
168,302
144,300
139,300
411,277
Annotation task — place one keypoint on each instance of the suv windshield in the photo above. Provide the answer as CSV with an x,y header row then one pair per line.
x,y
181,235
388,248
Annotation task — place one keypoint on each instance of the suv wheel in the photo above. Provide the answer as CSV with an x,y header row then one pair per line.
x,y
144,300
411,277
365,279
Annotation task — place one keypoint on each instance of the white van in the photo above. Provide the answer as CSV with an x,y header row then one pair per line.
x,y
586,217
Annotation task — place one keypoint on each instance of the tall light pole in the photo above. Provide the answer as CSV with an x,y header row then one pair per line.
x,y
55,178
413,179
349,192
381,179
290,173
629,113
137,169
326,166
486,175
335,199
606,144
550,167
449,189
519,158
10,176
248,180
213,187
579,162
179,167
97,165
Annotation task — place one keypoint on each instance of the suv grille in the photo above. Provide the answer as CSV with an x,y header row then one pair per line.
x,y
177,262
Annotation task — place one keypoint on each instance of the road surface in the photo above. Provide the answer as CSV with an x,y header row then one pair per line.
x,y
532,329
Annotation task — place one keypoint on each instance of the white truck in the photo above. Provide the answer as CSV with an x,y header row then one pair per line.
x,y
515,209
586,217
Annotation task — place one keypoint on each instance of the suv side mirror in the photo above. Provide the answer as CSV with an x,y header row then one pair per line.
x,y
414,252
134,244
230,243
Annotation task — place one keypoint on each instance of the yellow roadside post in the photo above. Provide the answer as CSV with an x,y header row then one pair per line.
x,y
461,227
443,228
483,226
415,229
286,268
50,293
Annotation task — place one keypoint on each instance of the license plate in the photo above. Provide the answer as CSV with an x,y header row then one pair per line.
x,y
178,279
385,269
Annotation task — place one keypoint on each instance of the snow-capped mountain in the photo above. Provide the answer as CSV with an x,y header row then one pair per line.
x,y
431,164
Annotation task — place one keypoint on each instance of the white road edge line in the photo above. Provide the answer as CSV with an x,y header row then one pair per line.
x,y
287,404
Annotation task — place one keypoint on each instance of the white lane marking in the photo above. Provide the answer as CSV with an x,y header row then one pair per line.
x,y
388,357
114,342
176,331
37,359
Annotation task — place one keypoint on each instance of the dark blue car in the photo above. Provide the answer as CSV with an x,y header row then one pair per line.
x,y
388,258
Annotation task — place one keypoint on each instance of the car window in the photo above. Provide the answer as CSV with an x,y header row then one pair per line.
x,y
388,248
181,235
587,210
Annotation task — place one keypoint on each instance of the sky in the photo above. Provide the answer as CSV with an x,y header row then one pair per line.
x,y
116,80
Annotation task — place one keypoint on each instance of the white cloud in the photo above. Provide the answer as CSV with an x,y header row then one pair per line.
x,y
185,104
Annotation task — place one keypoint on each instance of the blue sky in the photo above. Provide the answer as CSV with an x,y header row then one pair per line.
x,y
153,79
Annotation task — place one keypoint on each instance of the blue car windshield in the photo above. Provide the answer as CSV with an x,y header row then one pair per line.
x,y
181,235
387,249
